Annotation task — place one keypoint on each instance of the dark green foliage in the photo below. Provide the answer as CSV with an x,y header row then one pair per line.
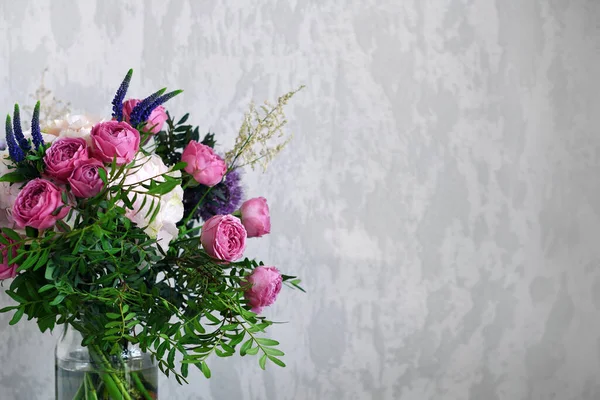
x,y
171,143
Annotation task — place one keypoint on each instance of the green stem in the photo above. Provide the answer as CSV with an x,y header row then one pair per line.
x,y
90,394
114,385
80,392
140,386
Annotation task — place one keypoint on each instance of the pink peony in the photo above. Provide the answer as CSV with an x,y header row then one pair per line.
x,y
115,139
156,120
7,271
38,204
255,217
224,237
203,164
265,284
85,181
61,157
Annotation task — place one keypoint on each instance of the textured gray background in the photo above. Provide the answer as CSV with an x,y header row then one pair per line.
x,y
440,198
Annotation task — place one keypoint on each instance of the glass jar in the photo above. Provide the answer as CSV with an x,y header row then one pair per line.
x,y
84,373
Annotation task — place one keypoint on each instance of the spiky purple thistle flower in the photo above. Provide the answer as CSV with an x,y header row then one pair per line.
x,y
224,198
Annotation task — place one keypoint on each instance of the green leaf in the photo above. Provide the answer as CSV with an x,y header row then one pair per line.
x,y
246,346
179,166
253,351
113,315
13,177
29,262
227,348
267,342
205,370
31,232
45,288
262,361
49,273
11,234
171,358
212,318
129,316
42,260
276,361
17,316
273,352
57,300
102,175
160,352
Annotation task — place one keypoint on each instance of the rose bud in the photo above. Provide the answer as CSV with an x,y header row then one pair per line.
x,y
61,157
37,204
223,237
85,180
264,286
203,164
155,122
115,139
255,217
6,270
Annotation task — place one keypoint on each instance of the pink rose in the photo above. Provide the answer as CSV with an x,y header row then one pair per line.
x,y
265,284
36,204
85,181
224,237
255,217
156,120
61,157
115,139
7,271
203,164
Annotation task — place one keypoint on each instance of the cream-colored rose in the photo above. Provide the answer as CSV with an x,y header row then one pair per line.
x,y
164,226
78,126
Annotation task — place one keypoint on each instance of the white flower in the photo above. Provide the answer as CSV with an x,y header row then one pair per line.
x,y
8,193
164,226
79,126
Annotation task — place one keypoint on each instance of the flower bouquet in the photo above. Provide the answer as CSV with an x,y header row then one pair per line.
x,y
130,232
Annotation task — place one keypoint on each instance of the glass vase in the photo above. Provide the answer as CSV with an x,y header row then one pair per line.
x,y
86,373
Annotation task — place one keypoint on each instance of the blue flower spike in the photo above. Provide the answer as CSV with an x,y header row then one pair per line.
x,y
117,102
18,130
36,131
135,118
14,150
